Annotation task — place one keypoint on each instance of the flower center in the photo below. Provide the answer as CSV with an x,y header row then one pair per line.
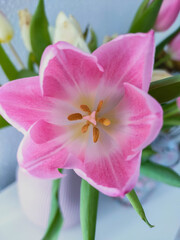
x,y
91,118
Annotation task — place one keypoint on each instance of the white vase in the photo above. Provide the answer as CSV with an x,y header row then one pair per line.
x,y
35,198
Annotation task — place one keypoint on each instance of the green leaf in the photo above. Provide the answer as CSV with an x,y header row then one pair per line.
x,y
7,66
160,173
166,89
56,218
147,153
25,73
161,45
39,33
93,42
133,198
85,33
146,16
3,122
31,61
88,210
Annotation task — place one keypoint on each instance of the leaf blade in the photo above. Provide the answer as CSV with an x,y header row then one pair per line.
x,y
133,198
166,89
7,66
160,173
88,210
39,34
3,122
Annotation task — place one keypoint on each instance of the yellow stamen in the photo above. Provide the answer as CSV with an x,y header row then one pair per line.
x,y
74,116
105,121
99,106
95,134
85,128
85,108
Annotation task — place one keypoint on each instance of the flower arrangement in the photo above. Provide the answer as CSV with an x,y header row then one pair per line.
x,y
93,109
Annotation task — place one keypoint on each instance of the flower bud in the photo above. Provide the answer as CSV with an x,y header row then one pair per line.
x,y
24,22
69,30
174,48
167,15
6,30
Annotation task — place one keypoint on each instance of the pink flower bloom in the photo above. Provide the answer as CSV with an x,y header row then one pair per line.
x,y
178,102
174,48
167,15
88,112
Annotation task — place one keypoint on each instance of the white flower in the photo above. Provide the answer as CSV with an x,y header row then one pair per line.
x,y
69,30
6,30
24,22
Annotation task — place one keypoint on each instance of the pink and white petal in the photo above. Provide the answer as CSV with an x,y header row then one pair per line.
x,y
128,58
112,175
43,160
22,104
141,119
66,71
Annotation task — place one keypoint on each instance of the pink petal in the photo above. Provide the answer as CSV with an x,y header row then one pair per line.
x,y
128,58
66,71
42,160
168,12
22,104
140,120
112,175
174,48
42,131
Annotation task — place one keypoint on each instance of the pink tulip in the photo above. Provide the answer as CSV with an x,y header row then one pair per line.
x,y
174,48
167,15
87,112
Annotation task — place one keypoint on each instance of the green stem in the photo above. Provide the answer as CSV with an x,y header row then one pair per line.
x,y
88,210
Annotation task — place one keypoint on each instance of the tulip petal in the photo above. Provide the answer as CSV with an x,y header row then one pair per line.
x,y
112,175
22,104
140,120
42,159
66,71
128,58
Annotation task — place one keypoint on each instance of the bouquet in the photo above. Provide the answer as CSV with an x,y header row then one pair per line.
x,y
93,109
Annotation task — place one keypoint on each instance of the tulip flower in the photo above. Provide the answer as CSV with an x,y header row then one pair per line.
x,y
174,48
24,22
69,30
167,15
87,112
6,30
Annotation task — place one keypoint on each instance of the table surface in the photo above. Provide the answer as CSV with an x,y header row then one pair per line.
x,y
115,221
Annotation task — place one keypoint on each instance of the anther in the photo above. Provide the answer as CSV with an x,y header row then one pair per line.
x,y
85,128
105,121
75,116
99,106
85,108
95,134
